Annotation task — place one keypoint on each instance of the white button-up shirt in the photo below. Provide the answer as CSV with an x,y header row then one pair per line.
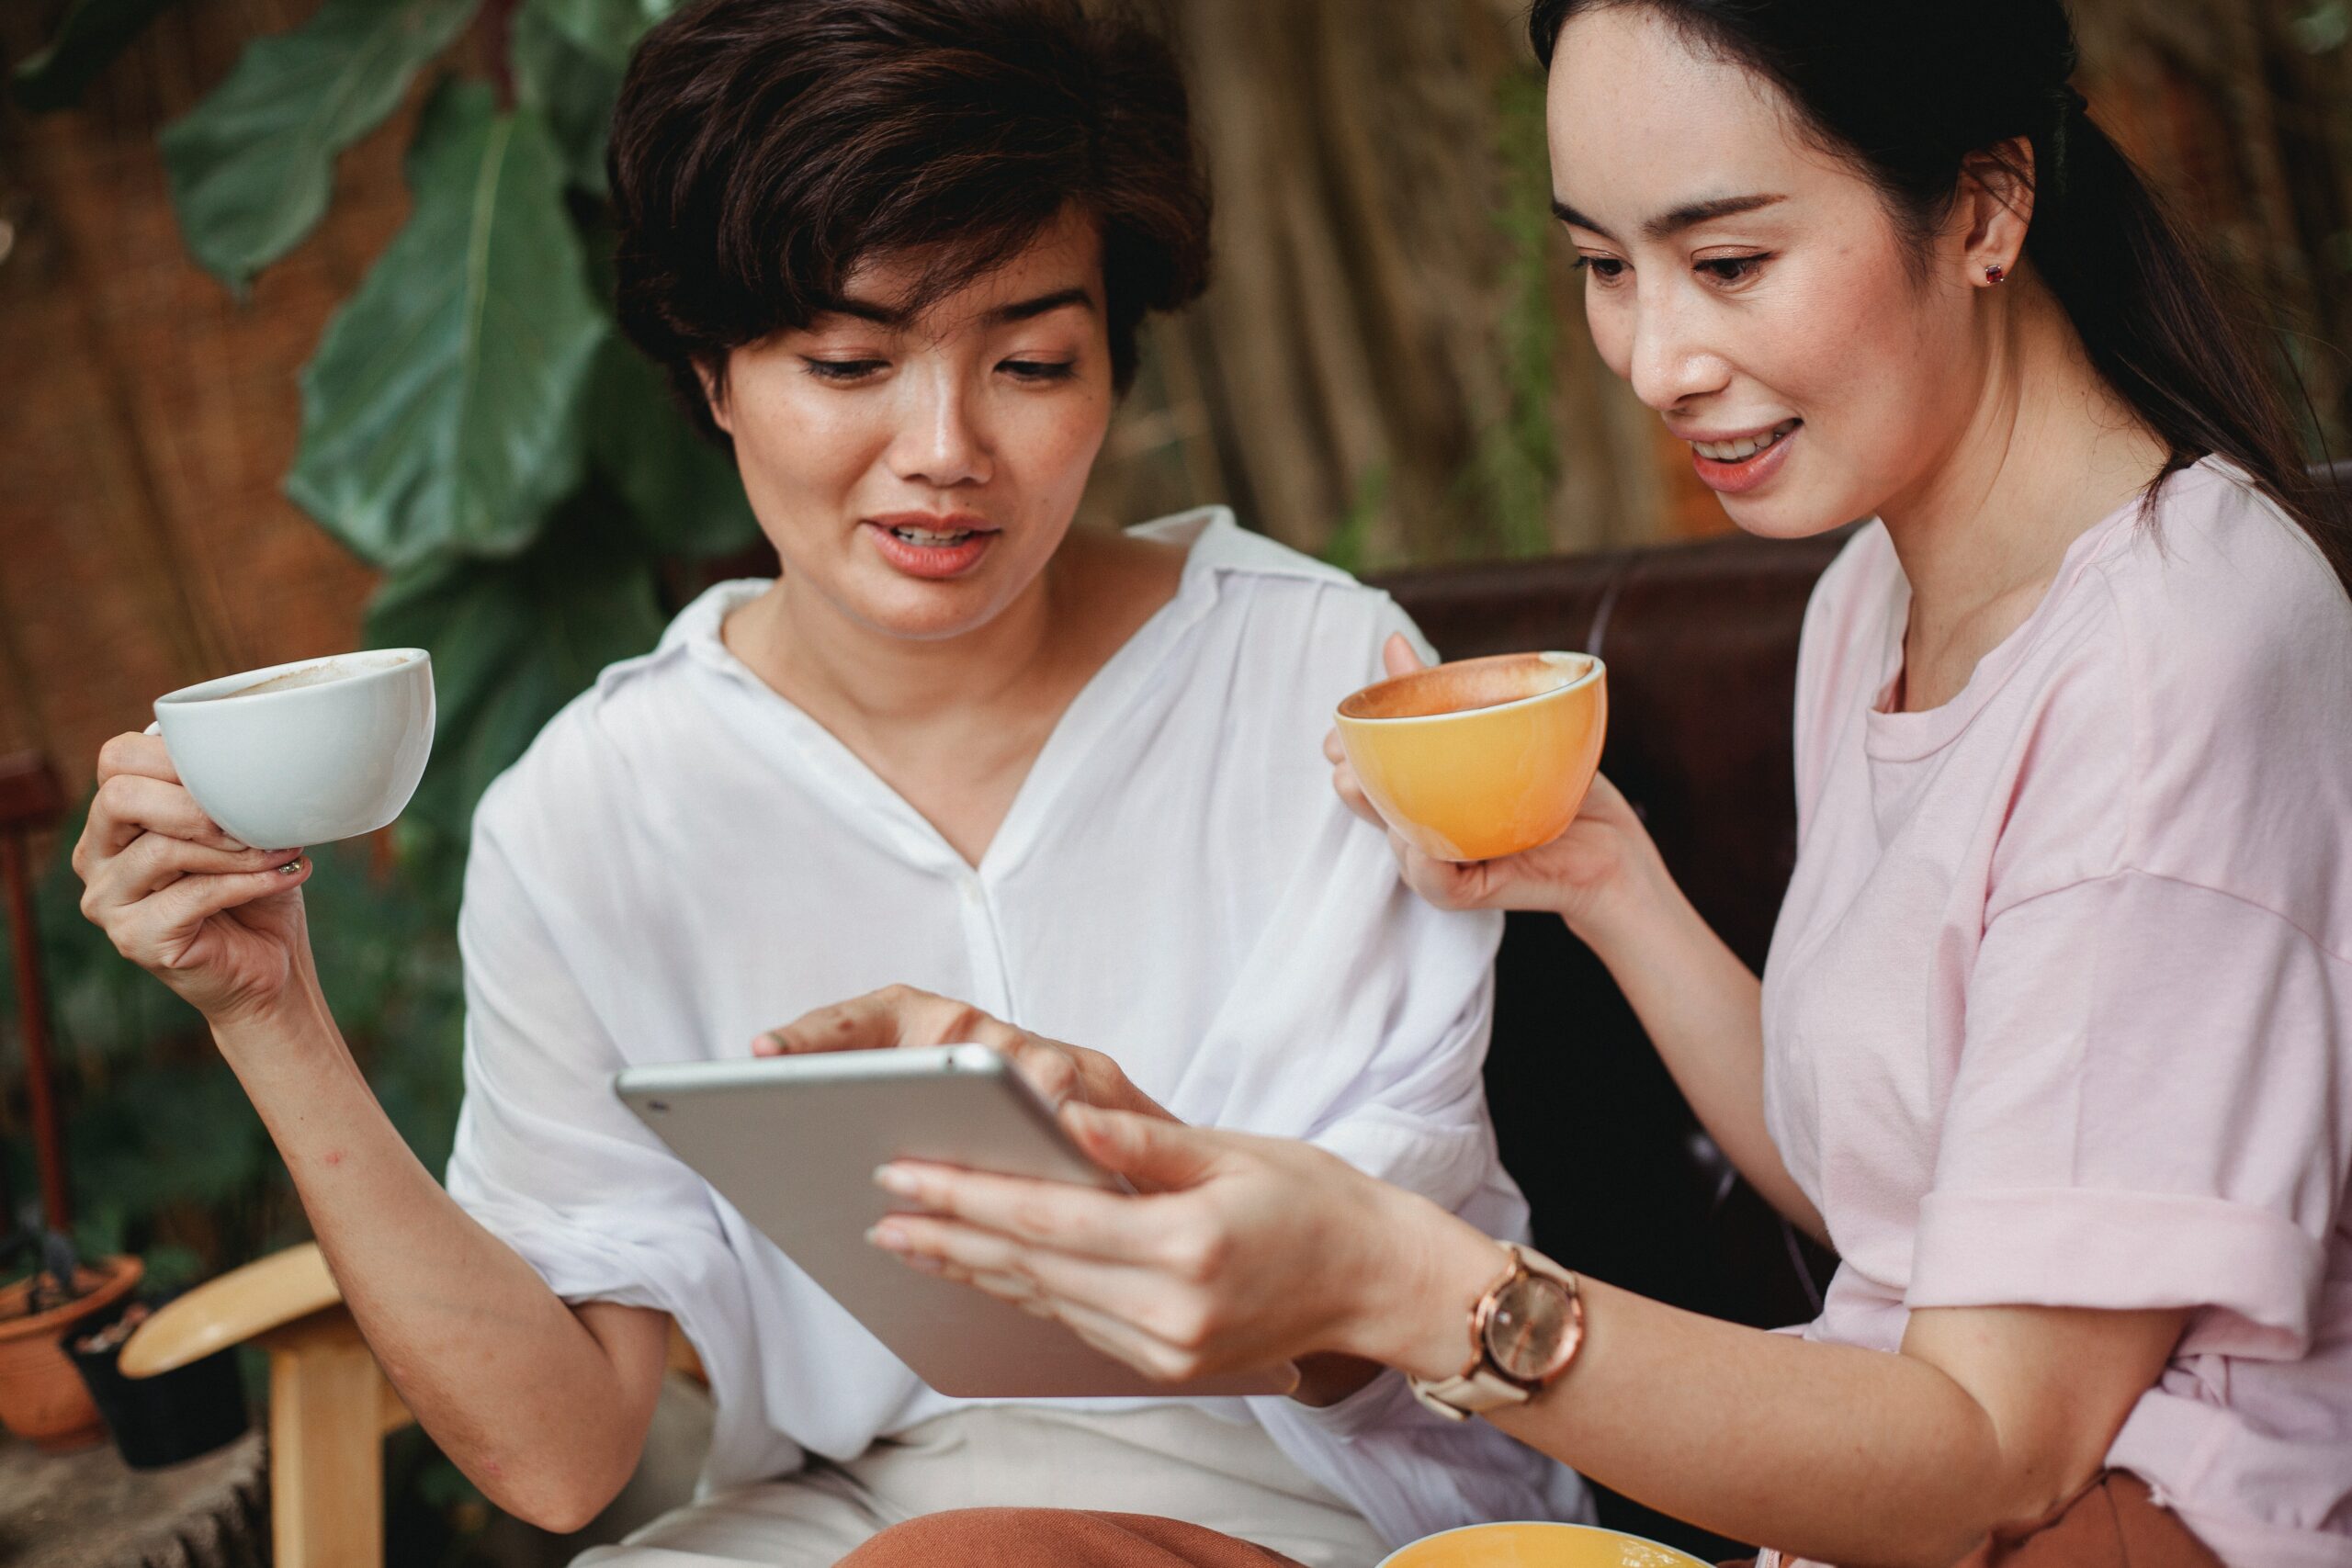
x,y
684,859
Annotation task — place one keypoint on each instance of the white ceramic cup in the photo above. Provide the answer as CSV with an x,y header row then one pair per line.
x,y
307,752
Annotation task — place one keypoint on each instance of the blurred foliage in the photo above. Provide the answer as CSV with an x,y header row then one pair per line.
x,y
91,33
1349,545
1519,457
444,414
168,1159
472,423
512,641
2325,27
251,168
474,427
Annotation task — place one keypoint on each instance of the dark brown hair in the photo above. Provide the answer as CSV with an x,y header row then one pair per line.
x,y
1907,92
762,148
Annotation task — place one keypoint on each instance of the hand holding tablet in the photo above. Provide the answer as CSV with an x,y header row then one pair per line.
x,y
794,1141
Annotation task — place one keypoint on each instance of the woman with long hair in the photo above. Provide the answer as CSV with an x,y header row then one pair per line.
x,y
2054,1041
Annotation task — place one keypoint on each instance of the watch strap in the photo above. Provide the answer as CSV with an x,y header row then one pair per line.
x,y
1472,1393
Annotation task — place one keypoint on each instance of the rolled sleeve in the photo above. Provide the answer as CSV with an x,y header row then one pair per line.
x,y
546,1157
2151,1109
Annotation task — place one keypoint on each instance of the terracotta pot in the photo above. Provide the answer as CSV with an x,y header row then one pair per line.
x,y
41,1396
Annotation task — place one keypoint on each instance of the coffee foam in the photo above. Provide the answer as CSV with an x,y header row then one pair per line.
x,y
325,673
1464,687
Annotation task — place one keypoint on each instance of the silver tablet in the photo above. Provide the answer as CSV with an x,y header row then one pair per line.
x,y
792,1143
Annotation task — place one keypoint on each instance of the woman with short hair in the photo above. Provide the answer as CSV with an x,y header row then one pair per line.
x,y
895,253
2054,1041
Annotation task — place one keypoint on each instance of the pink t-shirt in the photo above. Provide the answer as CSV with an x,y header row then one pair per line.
x,y
2059,1009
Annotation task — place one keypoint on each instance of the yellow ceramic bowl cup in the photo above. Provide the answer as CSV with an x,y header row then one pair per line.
x,y
1537,1546
1483,758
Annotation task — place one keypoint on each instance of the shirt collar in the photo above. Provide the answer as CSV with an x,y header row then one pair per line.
x,y
1215,544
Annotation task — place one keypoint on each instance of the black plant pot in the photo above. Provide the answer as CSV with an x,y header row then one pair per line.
x,y
168,1418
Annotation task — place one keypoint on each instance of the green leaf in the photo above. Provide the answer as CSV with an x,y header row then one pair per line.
x,y
132,1151
572,86
607,28
1350,543
2325,27
442,411
512,641
683,492
569,56
88,40
110,1010
251,164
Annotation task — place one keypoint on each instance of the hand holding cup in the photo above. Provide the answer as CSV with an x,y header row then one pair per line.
x,y
219,922
1579,850
177,858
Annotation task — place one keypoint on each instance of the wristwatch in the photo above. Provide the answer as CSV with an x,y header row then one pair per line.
x,y
1524,1331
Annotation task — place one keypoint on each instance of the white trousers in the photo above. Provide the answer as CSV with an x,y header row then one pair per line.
x,y
1170,1460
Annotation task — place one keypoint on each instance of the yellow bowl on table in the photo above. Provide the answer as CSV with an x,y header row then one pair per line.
x,y
1482,757
1537,1546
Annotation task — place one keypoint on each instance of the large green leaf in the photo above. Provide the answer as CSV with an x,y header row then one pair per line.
x,y
92,34
251,164
609,29
512,641
684,493
442,412
569,59
571,85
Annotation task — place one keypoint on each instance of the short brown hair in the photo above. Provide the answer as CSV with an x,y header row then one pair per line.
x,y
762,148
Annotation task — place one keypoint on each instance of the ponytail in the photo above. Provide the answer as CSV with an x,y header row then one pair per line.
x,y
2142,302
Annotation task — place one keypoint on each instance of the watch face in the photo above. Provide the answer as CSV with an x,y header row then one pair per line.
x,y
1532,1330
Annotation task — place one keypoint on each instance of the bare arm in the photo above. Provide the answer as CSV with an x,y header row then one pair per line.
x,y
1702,1008
1986,1421
544,1406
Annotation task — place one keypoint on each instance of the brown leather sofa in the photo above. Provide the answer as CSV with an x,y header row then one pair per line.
x,y
1701,641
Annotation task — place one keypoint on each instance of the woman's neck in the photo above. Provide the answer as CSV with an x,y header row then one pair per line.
x,y
2047,451
953,726
850,675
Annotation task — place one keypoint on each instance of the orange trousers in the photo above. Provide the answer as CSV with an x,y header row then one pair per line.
x,y
1056,1538
2113,1524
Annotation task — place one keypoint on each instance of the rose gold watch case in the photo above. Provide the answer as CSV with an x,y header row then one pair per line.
x,y
1483,1384
1492,1356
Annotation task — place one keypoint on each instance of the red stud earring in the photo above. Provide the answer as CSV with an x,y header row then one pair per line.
x,y
1996,272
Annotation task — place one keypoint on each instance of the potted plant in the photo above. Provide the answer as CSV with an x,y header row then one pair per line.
x,y
41,1396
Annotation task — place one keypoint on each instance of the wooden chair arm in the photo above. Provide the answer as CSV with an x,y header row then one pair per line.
x,y
247,1304
330,1404
241,1305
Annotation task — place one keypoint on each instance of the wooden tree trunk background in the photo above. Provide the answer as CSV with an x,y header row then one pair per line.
x,y
1391,366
